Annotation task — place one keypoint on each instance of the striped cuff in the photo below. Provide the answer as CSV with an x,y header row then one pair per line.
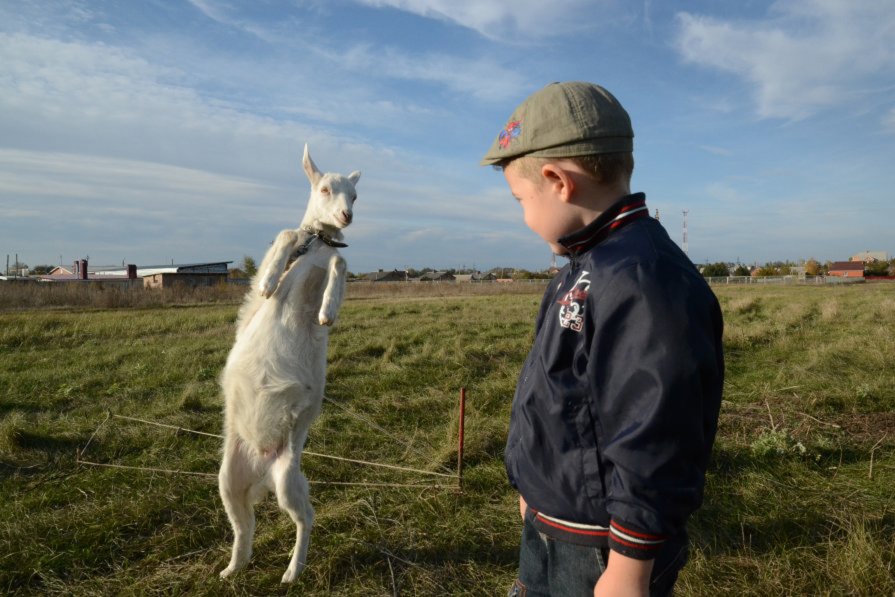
x,y
634,544
588,535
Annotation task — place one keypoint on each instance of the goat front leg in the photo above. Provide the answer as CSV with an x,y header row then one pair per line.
x,y
275,261
334,292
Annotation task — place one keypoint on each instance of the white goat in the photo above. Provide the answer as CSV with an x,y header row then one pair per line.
x,y
275,374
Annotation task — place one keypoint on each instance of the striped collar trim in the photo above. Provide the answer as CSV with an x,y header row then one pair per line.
x,y
623,212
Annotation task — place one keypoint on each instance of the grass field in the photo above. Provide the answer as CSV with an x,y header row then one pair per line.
x,y
799,497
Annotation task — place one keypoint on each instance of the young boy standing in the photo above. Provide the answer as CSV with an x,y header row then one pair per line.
x,y
617,405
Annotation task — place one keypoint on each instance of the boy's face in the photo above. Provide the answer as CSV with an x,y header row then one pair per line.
x,y
544,210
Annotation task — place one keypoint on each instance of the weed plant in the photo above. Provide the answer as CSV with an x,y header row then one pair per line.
x,y
799,494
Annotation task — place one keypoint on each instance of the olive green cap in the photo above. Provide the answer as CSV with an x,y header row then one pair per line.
x,y
564,120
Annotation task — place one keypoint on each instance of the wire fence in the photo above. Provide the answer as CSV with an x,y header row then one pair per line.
x,y
80,460
782,280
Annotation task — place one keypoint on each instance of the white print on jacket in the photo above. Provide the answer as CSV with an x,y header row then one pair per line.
x,y
571,310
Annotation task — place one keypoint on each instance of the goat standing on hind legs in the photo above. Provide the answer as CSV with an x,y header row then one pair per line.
x,y
275,374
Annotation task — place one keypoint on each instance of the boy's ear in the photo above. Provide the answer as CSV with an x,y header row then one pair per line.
x,y
559,179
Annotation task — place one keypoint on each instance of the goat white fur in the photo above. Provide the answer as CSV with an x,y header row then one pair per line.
x,y
275,374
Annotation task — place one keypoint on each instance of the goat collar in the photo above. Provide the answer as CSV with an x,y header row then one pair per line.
x,y
324,238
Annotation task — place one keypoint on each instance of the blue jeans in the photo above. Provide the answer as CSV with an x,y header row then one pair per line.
x,y
549,567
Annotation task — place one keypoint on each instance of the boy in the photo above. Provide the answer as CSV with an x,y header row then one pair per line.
x,y
616,407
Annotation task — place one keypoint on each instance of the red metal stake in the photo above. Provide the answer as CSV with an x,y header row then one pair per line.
x,y
460,438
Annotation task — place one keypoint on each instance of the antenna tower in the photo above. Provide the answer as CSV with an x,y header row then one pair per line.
x,y
686,244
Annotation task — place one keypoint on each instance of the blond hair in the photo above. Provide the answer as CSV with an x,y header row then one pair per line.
x,y
604,168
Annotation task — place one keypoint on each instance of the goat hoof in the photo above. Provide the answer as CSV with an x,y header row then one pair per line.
x,y
324,320
227,571
291,574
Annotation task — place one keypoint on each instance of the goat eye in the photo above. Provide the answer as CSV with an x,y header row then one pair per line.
x,y
325,190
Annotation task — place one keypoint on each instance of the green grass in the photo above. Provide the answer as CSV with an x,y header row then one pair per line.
x,y
791,504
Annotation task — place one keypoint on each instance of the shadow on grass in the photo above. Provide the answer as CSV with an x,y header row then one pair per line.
x,y
8,407
30,440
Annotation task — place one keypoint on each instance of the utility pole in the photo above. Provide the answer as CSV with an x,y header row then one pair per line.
x,y
686,243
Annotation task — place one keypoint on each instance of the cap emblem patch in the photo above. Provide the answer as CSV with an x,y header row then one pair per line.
x,y
512,130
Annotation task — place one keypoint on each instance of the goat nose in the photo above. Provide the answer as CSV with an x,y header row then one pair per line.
x,y
347,215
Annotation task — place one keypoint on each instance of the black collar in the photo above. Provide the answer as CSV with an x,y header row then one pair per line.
x,y
326,239
623,212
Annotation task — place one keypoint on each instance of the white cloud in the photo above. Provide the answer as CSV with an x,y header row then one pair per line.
x,y
517,21
39,173
809,55
105,100
482,78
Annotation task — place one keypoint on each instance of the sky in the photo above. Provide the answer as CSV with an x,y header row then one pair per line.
x,y
168,131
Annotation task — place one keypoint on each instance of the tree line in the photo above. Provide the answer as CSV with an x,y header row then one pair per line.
x,y
812,267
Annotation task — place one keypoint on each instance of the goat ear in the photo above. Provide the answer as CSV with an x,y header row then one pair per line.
x,y
310,167
354,177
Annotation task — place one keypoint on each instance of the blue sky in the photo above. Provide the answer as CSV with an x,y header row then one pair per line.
x,y
163,130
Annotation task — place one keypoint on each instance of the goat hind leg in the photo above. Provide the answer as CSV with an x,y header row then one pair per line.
x,y
292,496
235,485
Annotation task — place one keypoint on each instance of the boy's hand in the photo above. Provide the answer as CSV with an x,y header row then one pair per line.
x,y
624,577
522,507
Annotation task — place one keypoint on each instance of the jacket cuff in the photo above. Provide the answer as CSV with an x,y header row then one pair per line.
x,y
634,543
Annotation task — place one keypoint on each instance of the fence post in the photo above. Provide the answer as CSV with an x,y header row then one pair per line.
x,y
460,438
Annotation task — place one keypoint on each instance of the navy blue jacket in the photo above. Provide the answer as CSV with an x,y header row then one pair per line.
x,y
617,405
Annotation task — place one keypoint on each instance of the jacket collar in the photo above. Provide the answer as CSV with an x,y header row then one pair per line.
x,y
623,212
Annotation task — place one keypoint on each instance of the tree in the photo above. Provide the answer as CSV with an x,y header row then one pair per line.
x,y
249,266
876,268
716,270
41,270
742,270
812,267
768,270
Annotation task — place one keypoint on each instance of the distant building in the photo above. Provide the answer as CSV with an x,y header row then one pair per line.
x,y
397,275
189,275
476,277
870,256
172,280
60,271
81,273
437,277
847,269
213,267
153,276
